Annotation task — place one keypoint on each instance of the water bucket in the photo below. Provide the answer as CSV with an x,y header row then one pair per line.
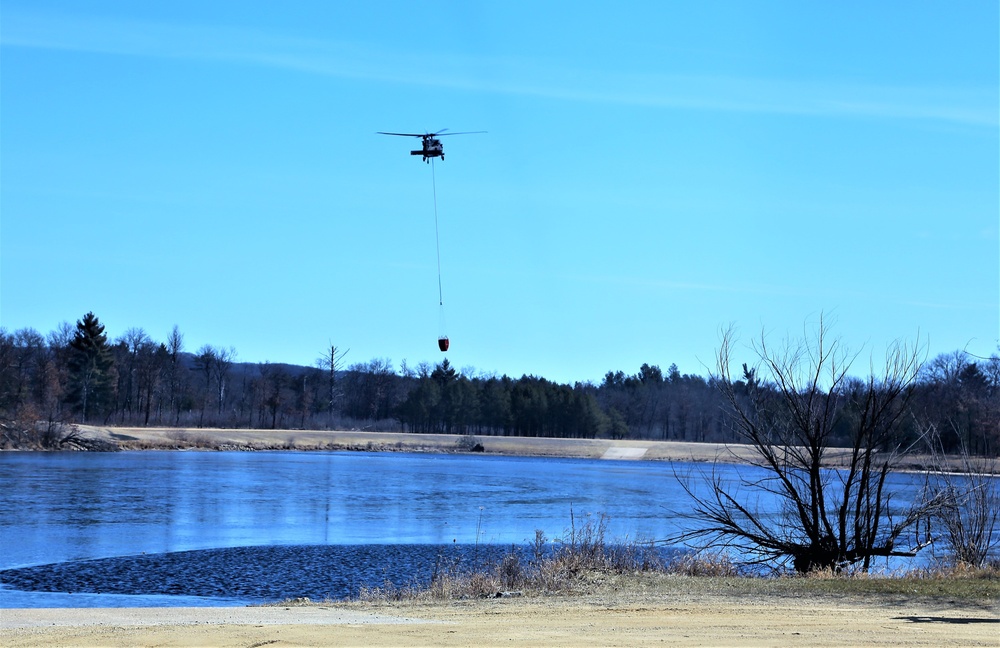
x,y
443,343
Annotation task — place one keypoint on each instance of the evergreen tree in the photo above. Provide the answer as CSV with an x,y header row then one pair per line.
x,y
90,364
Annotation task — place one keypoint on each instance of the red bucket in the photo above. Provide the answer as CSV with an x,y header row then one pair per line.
x,y
443,344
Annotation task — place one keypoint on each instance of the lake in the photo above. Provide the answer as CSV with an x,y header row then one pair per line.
x,y
224,528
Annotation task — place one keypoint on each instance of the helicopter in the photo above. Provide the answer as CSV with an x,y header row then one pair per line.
x,y
431,145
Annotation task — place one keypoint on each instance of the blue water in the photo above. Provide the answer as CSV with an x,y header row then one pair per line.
x,y
160,514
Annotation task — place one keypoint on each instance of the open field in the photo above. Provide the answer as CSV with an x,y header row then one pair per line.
x,y
231,439
641,610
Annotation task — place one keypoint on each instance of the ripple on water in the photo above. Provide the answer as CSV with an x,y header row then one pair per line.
x,y
253,574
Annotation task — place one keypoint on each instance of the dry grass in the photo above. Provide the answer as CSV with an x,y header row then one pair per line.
x,y
539,571
980,589
698,564
583,564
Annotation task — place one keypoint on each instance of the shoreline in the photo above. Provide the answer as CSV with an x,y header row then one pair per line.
x,y
226,439
355,440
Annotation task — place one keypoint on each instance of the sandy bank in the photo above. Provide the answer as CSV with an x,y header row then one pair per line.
x,y
228,439
332,440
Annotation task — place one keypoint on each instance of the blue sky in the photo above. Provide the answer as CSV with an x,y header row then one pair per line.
x,y
652,172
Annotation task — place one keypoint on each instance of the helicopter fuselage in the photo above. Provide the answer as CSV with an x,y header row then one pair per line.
x,y
431,148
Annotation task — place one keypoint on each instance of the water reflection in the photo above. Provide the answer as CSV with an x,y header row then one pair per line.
x,y
64,506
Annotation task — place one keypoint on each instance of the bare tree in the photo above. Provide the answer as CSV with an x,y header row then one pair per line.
x,y
133,348
224,359
204,362
960,398
56,378
331,362
274,379
175,375
214,364
379,378
789,408
969,518
25,362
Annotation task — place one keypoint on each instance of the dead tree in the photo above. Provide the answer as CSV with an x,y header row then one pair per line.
x,y
331,362
791,407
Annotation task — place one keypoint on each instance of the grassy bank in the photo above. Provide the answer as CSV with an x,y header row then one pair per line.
x,y
584,565
976,588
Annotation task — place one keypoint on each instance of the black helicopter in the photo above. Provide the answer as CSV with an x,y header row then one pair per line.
x,y
431,145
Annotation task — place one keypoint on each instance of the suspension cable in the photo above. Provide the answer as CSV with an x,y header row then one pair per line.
x,y
437,236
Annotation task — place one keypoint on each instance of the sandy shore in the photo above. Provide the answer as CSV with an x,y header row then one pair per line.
x,y
165,438
632,619
639,450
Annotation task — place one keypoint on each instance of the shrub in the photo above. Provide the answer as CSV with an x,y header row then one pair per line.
x,y
717,564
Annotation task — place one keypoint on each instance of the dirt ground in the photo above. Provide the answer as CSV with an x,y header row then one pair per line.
x,y
626,620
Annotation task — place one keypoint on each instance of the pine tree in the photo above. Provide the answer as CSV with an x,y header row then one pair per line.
x,y
90,364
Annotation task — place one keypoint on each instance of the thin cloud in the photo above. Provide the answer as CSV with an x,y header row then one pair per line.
x,y
675,285
832,295
515,76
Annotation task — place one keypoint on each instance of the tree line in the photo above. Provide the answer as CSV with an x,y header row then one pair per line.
x,y
76,374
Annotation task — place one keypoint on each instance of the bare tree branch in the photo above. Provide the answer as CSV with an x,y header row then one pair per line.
x,y
791,407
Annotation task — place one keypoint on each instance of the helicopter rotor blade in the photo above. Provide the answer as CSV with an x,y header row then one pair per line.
x,y
400,134
463,133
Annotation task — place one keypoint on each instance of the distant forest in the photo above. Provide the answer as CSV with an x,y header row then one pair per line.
x,y
75,374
